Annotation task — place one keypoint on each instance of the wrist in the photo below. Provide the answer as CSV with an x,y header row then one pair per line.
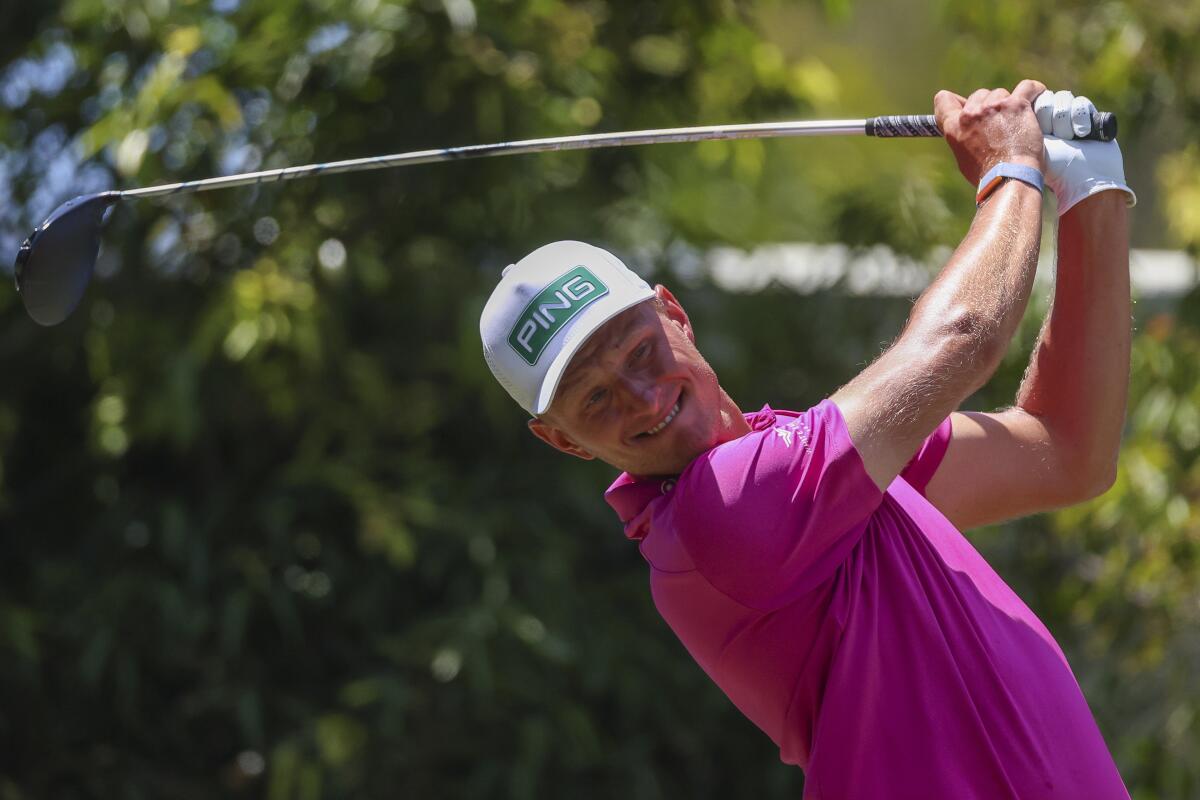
x,y
1006,171
1028,160
1014,200
1077,170
1024,159
1098,210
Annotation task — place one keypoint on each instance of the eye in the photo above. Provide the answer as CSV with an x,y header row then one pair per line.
x,y
641,351
596,397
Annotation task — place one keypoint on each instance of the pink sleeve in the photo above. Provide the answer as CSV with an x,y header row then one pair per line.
x,y
919,470
773,513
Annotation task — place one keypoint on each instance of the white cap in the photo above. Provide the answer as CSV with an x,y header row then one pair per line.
x,y
544,309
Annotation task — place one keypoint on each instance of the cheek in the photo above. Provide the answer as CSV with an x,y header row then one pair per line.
x,y
700,369
602,434
683,355
706,385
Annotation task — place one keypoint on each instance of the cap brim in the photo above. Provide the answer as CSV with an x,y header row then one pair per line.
x,y
562,360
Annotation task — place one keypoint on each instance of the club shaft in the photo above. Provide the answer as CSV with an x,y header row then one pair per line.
x,y
760,130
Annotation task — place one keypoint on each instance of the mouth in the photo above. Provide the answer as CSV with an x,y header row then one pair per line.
x,y
667,420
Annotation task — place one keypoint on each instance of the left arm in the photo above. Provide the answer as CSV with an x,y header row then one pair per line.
x,y
1058,445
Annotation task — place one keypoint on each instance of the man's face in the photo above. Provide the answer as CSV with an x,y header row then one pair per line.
x,y
639,395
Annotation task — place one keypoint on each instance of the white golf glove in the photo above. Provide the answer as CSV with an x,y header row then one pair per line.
x,y
1077,168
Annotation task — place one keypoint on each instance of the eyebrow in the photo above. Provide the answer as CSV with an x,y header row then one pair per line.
x,y
569,383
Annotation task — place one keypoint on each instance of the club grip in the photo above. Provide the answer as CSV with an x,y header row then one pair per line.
x,y
1104,126
903,125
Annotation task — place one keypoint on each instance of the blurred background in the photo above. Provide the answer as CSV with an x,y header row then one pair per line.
x,y
271,530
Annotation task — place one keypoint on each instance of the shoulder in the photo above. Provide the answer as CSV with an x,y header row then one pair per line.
x,y
786,437
758,513
766,463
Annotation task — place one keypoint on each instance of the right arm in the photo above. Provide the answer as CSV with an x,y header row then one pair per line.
x,y
961,325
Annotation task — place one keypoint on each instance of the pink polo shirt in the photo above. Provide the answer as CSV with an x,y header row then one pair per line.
x,y
859,629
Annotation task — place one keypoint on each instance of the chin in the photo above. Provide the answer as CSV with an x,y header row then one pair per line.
x,y
680,448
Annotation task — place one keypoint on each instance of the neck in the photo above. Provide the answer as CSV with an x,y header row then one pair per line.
x,y
733,422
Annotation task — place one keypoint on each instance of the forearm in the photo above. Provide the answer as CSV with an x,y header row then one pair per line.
x,y
955,336
978,299
1078,377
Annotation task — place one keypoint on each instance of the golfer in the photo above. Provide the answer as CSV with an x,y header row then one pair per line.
x,y
812,562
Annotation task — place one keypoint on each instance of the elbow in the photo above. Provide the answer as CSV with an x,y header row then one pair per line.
x,y
1093,475
1100,479
972,342
1079,464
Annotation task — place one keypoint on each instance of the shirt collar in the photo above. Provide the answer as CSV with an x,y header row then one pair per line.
x,y
629,496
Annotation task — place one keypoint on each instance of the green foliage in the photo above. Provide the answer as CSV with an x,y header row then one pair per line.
x,y
271,529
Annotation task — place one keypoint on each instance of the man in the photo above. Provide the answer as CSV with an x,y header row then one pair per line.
x,y
812,563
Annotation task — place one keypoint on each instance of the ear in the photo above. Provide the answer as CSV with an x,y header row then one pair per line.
x,y
558,439
674,311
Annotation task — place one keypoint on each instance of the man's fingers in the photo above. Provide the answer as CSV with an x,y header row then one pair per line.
x,y
976,100
1029,90
1043,109
1063,129
996,96
946,101
945,105
1081,116
1063,115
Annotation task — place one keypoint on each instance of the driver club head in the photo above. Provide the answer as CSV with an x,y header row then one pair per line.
x,y
55,263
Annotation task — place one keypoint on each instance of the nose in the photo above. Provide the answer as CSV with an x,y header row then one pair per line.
x,y
641,391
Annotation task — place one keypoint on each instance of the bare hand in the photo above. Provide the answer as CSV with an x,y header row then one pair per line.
x,y
991,126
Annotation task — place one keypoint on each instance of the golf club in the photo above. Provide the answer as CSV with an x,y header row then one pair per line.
x,y
54,265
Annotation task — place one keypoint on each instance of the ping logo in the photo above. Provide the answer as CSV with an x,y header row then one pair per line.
x,y
552,309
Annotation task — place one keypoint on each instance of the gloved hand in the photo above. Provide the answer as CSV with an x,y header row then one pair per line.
x,y
1076,168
